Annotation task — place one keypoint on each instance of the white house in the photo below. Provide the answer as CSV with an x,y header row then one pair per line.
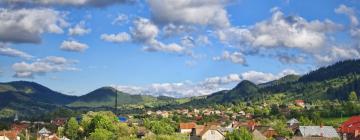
x,y
186,127
212,134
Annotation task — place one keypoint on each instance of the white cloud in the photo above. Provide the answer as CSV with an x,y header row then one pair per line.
x,y
281,31
200,12
120,19
203,40
73,46
116,38
173,30
205,87
235,57
27,25
7,51
261,77
354,22
336,54
145,32
42,66
349,11
95,3
79,29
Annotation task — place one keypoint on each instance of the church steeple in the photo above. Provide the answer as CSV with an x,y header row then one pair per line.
x,y
16,118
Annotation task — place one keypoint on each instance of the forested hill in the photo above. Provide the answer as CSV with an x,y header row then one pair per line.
x,y
327,83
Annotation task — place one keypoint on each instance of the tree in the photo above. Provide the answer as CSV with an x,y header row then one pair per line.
x,y
101,134
71,128
353,97
159,126
239,134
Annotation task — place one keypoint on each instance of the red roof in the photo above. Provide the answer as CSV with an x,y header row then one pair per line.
x,y
190,125
19,126
351,125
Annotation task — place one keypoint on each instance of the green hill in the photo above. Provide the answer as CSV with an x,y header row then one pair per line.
x,y
105,96
29,98
326,83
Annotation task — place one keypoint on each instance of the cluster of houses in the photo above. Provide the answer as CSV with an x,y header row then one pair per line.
x,y
349,130
196,113
24,127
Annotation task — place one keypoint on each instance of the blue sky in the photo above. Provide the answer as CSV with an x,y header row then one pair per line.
x,y
175,48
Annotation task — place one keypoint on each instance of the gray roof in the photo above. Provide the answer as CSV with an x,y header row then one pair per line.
x,y
324,131
293,121
44,131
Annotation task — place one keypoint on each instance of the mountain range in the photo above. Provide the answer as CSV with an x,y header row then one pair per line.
x,y
326,83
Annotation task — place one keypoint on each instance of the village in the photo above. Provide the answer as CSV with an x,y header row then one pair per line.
x,y
193,124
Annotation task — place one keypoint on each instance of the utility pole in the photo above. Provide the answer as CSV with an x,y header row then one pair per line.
x,y
116,103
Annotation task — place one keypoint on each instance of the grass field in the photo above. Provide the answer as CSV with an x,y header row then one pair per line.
x,y
336,122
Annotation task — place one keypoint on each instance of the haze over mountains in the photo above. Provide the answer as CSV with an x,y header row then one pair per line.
x,y
327,83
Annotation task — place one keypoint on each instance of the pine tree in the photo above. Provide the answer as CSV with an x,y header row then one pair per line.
x,y
353,97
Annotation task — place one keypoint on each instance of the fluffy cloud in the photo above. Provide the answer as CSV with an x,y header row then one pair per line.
x,y
173,30
343,9
27,25
336,54
261,77
7,51
42,66
95,3
145,32
116,38
235,57
73,46
351,13
281,31
79,29
199,12
205,87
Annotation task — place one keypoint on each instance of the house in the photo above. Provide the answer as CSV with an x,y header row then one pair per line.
x,y
165,114
196,111
18,127
141,132
9,135
350,129
317,131
266,131
212,134
149,112
261,132
159,112
59,121
300,103
44,134
293,124
187,127
209,131
242,113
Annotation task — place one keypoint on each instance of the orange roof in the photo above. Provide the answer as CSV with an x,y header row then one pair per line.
x,y
299,101
9,134
190,125
251,123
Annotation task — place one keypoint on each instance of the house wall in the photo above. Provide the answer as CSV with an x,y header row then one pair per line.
x,y
212,135
185,130
4,138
